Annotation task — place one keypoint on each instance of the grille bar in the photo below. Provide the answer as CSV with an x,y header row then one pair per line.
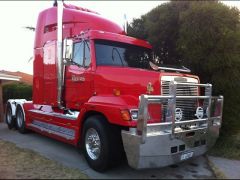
x,y
188,106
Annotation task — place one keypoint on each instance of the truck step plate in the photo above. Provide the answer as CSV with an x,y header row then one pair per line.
x,y
186,156
64,132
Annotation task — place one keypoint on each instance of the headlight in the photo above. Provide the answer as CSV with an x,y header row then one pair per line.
x,y
134,114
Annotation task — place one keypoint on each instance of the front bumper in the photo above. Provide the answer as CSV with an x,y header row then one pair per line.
x,y
163,144
163,150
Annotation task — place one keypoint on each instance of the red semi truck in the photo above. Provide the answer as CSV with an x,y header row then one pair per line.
x,y
98,89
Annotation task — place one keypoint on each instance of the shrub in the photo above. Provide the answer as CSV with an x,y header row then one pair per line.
x,y
17,91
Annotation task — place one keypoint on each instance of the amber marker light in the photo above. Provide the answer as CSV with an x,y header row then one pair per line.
x,y
116,92
125,115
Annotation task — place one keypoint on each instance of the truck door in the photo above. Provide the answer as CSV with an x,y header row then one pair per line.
x,y
79,79
49,74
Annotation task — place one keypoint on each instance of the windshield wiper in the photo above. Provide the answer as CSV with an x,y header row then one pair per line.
x,y
155,67
118,55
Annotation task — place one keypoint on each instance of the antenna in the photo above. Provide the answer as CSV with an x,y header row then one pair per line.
x,y
125,23
56,3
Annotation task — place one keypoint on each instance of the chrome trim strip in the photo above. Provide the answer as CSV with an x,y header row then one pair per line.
x,y
173,78
194,84
53,114
175,69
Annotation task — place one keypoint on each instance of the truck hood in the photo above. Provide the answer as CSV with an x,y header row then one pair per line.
x,y
131,82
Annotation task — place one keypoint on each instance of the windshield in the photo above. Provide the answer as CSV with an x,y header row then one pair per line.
x,y
109,53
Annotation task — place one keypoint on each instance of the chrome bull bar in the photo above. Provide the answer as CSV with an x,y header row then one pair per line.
x,y
172,140
172,126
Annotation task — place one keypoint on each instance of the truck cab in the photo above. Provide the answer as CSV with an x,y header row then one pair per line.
x,y
97,88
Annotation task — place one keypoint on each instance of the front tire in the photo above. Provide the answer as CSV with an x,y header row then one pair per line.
x,y
9,117
99,143
20,120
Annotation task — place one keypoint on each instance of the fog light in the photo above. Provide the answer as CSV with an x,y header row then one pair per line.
x,y
134,114
178,114
199,112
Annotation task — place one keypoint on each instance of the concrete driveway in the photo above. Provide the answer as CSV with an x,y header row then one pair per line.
x,y
68,155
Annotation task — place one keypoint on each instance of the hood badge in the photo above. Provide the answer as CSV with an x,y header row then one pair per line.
x,y
150,88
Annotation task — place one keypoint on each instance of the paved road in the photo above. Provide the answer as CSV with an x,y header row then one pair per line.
x,y
229,167
69,156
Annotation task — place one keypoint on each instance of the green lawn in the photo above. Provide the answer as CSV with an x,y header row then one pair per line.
x,y
19,163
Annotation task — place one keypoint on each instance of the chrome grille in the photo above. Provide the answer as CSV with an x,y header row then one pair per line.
x,y
188,106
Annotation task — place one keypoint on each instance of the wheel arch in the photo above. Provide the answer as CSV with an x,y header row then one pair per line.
x,y
89,114
93,113
14,103
20,105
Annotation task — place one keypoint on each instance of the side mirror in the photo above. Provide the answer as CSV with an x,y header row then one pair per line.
x,y
67,51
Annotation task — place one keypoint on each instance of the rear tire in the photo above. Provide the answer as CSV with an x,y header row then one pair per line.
x,y
9,117
20,120
100,144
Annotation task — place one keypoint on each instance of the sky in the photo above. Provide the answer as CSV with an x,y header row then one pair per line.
x,y
16,42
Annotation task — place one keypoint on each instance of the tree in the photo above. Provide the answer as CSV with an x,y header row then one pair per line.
x,y
209,42
204,36
137,28
160,27
209,38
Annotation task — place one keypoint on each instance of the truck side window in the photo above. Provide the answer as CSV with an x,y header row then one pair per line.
x,y
87,53
81,53
78,53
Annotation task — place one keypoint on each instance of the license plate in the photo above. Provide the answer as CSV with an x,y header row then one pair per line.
x,y
186,156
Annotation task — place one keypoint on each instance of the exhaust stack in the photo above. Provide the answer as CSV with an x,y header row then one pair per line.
x,y
59,52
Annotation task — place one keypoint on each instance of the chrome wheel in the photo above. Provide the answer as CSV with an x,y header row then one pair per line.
x,y
93,144
20,118
9,116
